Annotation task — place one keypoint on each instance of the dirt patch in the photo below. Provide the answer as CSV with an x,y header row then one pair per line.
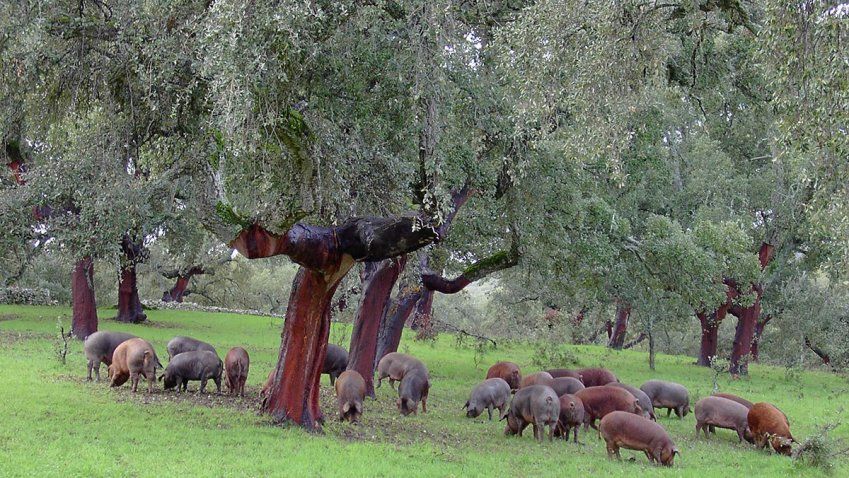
x,y
4,317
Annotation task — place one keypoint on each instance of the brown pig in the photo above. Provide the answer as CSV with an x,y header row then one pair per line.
x,y
626,430
565,372
395,366
722,413
769,424
508,371
596,377
236,365
599,401
350,393
537,405
539,378
133,358
564,385
735,398
571,416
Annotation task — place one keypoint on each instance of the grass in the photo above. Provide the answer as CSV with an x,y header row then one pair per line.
x,y
52,422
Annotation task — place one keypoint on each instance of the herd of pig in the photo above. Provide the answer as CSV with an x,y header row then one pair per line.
x,y
563,400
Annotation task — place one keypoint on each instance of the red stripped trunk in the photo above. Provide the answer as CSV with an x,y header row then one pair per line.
x,y
747,319
378,280
620,327
129,305
84,308
294,391
177,292
392,326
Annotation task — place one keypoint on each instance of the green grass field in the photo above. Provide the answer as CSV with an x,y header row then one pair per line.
x,y
53,422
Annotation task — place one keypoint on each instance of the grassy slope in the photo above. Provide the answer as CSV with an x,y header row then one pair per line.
x,y
55,423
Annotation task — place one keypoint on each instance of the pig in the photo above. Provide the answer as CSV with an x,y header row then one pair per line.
x,y
414,388
723,413
180,344
539,378
769,424
100,346
735,398
669,395
599,401
564,385
236,365
489,394
194,365
571,415
565,372
335,362
395,365
133,358
534,404
642,399
596,377
507,371
626,430
350,393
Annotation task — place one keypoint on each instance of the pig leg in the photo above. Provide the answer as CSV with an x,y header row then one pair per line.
x,y
203,380
217,381
575,433
91,366
680,412
537,434
668,412
134,377
739,435
488,410
424,402
551,431
332,379
612,450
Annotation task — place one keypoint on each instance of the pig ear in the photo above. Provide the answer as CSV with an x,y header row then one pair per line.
x,y
503,417
466,405
676,452
161,377
346,408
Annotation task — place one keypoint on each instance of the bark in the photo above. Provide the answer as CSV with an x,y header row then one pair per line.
x,y
378,279
178,292
747,318
424,313
620,328
326,255
710,327
710,323
637,340
759,331
294,391
84,308
392,326
129,304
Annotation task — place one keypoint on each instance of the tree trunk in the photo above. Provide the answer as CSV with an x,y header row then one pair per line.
x,y
295,386
424,313
177,292
759,330
747,319
710,328
129,305
743,336
84,308
620,328
378,280
392,326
